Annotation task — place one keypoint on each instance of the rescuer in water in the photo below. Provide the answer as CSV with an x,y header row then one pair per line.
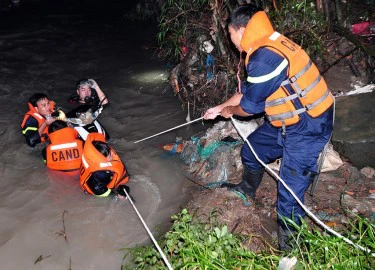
x,y
89,93
284,83
64,152
88,97
102,172
36,121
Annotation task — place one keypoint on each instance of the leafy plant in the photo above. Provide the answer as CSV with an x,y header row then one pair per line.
x,y
178,22
300,21
195,244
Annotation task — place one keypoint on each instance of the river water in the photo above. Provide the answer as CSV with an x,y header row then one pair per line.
x,y
47,50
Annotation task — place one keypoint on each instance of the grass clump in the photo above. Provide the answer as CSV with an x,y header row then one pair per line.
x,y
320,250
195,244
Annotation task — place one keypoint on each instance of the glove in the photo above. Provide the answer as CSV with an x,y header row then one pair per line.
x,y
120,190
93,83
61,116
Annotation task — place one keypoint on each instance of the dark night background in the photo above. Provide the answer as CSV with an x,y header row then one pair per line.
x,y
46,46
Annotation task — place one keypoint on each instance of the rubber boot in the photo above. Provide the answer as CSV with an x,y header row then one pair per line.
x,y
250,183
286,240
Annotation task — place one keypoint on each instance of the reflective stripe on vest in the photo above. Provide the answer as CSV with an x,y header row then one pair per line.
x,y
273,74
84,162
105,164
63,146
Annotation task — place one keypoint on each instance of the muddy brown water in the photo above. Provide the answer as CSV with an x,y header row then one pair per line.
x,y
47,52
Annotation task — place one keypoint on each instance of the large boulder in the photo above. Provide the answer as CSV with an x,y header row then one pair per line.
x,y
354,130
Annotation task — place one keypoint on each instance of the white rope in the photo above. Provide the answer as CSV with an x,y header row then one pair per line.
x,y
294,195
149,232
165,131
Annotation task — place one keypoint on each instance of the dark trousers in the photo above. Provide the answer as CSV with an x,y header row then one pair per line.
x,y
299,148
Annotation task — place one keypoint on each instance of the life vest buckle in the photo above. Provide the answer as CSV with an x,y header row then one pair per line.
x,y
283,132
292,79
302,94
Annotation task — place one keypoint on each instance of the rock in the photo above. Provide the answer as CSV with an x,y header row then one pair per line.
x,y
354,130
354,174
365,206
368,172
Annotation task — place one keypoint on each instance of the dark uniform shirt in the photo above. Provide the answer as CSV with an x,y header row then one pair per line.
x,y
30,131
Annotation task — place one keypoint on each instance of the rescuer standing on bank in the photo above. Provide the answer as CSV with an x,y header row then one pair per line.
x,y
284,83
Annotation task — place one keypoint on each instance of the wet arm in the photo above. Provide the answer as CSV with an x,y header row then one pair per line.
x,y
98,183
102,97
234,110
220,109
232,101
233,107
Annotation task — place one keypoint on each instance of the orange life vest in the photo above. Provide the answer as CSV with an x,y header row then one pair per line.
x,y
65,151
32,112
93,160
303,76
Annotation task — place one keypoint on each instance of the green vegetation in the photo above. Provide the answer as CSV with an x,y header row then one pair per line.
x,y
301,22
184,26
179,21
193,243
319,250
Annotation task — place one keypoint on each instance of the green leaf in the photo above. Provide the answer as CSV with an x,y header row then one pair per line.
x,y
224,231
217,232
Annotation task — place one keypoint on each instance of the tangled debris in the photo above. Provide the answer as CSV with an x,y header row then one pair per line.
x,y
214,158
205,73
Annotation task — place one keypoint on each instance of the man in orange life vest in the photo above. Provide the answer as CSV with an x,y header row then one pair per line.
x,y
284,83
64,153
102,172
36,121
